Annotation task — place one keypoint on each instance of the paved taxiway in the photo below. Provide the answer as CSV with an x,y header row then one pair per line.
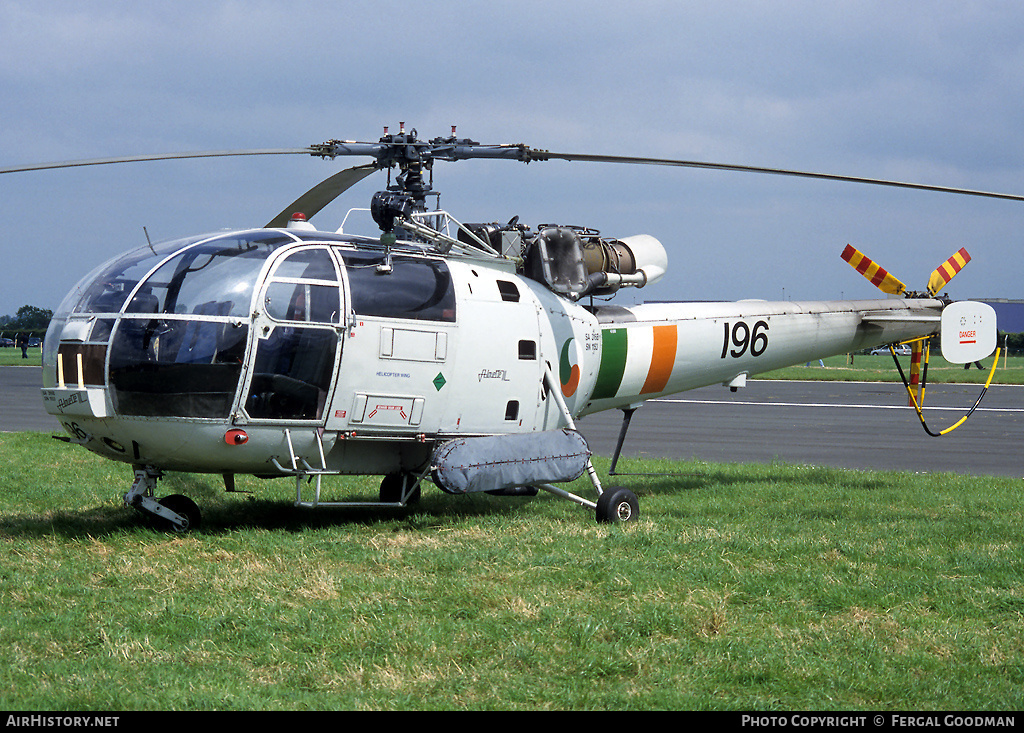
x,y
846,424
21,405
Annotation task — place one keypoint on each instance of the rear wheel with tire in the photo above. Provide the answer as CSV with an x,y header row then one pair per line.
x,y
618,504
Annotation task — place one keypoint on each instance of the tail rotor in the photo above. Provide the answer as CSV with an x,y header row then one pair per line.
x,y
968,328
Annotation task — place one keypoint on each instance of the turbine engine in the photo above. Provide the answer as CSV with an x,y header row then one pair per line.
x,y
574,261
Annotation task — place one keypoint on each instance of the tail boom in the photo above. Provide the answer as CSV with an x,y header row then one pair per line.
x,y
653,350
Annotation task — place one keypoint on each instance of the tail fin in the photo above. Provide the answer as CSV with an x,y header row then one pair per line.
x,y
879,277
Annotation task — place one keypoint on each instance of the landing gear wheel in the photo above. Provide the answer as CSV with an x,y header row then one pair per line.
x,y
182,506
618,504
392,487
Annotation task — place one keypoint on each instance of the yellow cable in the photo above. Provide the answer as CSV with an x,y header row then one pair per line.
x,y
992,371
961,421
957,424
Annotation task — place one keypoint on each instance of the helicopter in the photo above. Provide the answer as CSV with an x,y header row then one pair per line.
x,y
459,354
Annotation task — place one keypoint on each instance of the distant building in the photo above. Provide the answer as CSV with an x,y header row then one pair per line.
x,y
1009,313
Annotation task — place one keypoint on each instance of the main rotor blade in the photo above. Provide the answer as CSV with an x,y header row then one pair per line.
x,y
545,155
156,156
322,194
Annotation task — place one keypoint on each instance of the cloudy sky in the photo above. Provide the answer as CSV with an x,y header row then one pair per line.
x,y
916,91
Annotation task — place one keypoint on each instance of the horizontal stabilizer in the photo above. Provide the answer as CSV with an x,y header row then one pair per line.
x,y
497,462
878,276
900,318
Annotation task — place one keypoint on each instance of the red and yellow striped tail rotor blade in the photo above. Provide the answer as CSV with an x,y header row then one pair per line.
x,y
879,277
945,272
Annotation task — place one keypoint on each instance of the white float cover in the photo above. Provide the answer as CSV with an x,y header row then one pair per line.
x,y
968,331
491,463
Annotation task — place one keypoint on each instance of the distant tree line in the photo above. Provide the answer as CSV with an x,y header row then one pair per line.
x,y
28,318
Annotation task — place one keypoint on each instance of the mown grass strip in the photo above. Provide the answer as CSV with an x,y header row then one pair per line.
x,y
880,368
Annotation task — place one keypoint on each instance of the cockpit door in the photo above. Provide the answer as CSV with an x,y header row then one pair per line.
x,y
297,339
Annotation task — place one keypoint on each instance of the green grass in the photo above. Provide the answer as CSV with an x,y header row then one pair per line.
x,y
1010,370
741,587
10,356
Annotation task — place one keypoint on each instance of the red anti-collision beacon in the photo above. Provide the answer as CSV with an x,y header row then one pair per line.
x,y
235,437
299,221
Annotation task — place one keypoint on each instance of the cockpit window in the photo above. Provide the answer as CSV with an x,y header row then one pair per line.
x,y
415,288
307,264
176,367
292,373
305,287
215,278
179,346
110,288
182,283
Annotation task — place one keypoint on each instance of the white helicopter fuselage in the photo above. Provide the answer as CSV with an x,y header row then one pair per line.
x,y
464,355
262,352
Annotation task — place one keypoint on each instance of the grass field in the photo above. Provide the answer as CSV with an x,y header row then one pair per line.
x,y
741,587
10,356
1010,370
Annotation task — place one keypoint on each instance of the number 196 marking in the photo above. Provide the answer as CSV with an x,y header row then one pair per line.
x,y
740,336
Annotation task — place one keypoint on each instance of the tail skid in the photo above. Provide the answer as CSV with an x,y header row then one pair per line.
x,y
627,416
